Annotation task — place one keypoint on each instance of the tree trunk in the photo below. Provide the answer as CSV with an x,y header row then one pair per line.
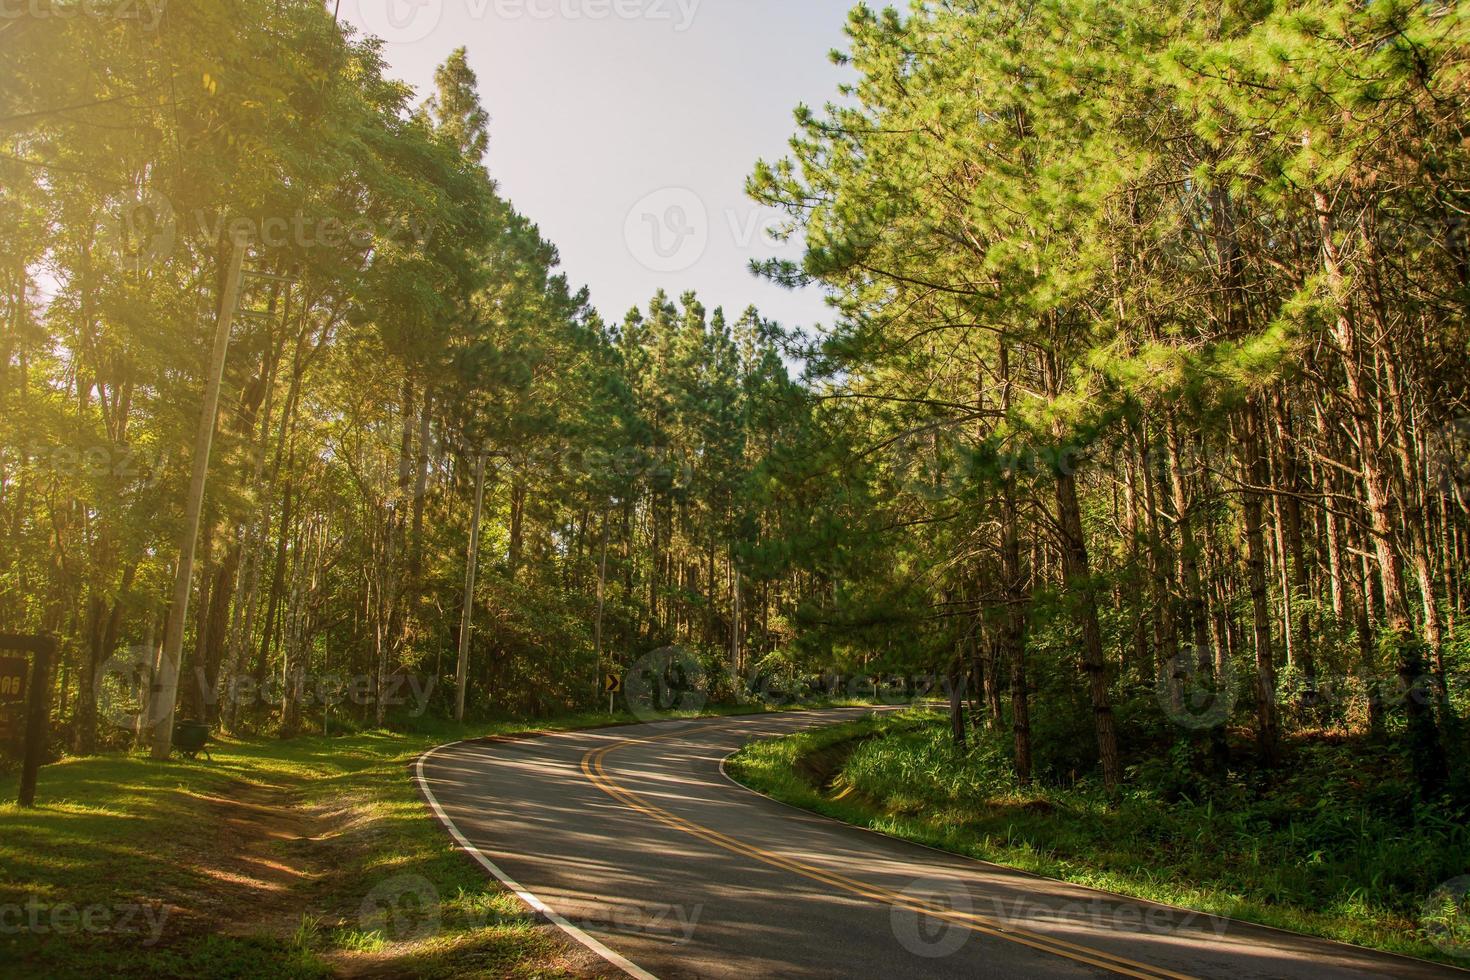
x,y
1078,572
1016,595
601,607
957,703
215,637
472,563
1253,475
1424,744
1294,540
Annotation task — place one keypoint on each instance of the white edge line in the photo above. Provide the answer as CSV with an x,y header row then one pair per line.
x,y
621,962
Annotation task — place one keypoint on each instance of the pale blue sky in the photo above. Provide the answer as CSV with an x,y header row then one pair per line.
x,y
626,128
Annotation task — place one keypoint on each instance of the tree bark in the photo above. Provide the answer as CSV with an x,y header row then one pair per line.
x,y
1425,748
472,563
1253,475
1077,570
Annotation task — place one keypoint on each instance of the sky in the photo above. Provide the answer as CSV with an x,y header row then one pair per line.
x,y
626,128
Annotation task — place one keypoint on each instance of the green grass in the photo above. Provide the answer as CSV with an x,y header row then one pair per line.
x,y
386,890
1326,851
124,832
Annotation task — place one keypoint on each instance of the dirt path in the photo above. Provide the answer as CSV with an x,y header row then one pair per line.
x,y
262,866
273,866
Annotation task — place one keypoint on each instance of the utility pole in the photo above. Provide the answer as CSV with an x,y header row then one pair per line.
x,y
166,692
463,674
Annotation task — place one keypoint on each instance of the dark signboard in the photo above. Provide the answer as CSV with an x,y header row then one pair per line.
x,y
14,672
12,730
24,698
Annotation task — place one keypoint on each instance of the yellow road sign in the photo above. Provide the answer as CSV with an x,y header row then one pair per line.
x,y
612,683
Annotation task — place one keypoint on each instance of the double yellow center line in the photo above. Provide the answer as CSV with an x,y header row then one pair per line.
x,y
593,769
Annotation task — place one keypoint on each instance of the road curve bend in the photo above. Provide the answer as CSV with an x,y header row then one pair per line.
x,y
633,842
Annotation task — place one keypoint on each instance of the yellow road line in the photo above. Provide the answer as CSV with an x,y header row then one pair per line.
x,y
592,768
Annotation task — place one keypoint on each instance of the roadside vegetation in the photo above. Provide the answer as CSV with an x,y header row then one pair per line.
x,y
1141,429
406,345
297,858
1333,845
306,857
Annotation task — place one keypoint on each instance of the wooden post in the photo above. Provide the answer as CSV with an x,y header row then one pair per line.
x,y
37,704
463,674
166,690
44,652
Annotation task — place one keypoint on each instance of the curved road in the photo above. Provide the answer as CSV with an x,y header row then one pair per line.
x,y
634,841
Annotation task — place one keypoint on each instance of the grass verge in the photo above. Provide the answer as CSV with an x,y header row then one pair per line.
x,y
299,858
1312,865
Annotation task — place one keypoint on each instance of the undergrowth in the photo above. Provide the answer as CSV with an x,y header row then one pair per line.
x,y
1332,845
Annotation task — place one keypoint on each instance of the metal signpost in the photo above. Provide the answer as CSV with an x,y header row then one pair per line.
x,y
613,685
24,700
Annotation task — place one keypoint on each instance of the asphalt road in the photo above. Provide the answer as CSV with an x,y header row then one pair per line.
x,y
635,842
